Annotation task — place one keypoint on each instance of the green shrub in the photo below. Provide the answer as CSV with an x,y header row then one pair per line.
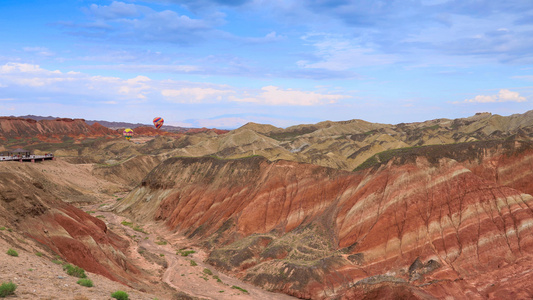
x,y
57,261
85,282
74,271
139,229
161,243
239,288
208,272
2,228
185,252
39,254
12,252
193,263
120,295
7,288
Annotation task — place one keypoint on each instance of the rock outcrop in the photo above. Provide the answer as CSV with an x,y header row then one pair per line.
x,y
31,204
50,130
420,226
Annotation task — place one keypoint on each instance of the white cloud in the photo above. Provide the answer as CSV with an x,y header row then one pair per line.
x,y
503,96
34,77
19,68
195,95
525,77
338,53
114,90
39,50
272,95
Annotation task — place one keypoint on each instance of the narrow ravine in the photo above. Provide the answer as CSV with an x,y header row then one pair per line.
x,y
174,260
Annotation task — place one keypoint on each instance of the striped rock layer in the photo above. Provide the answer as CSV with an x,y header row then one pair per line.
x,y
425,228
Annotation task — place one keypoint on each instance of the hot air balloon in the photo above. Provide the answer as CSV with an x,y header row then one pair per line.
x,y
158,122
128,133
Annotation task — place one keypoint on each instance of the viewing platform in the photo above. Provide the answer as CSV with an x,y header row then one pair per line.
x,y
29,158
22,155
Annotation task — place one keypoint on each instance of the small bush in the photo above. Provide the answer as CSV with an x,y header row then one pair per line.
x,y
139,229
7,288
12,252
239,288
193,263
208,272
161,243
120,295
57,261
74,271
185,252
126,223
85,282
2,228
39,254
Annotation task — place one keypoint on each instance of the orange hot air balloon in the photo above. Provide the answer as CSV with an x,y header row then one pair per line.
x,y
158,122
128,133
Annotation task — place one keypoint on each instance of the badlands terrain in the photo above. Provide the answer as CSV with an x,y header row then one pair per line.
x,y
335,210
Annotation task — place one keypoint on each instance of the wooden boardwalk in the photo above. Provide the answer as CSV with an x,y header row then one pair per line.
x,y
28,158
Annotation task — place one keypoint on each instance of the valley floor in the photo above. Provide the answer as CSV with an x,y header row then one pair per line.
x,y
153,248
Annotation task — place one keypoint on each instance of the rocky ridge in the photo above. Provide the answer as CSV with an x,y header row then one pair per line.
x,y
426,227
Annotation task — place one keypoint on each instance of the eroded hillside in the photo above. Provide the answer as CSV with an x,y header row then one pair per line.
x,y
433,209
424,226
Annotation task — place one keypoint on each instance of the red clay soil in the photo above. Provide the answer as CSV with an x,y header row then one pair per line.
x,y
50,130
428,229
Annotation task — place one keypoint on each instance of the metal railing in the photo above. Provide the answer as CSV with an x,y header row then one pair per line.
x,y
25,157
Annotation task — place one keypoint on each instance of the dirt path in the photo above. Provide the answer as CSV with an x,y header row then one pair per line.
x,y
174,260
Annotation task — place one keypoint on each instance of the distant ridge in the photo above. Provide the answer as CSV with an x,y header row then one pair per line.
x,y
112,125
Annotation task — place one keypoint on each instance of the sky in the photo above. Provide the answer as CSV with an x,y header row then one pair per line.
x,y
223,63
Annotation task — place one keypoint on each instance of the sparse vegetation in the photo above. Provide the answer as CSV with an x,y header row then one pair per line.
x,y
12,252
2,228
161,243
7,288
207,271
120,295
139,229
85,282
239,288
136,227
39,254
74,271
57,261
185,252
193,263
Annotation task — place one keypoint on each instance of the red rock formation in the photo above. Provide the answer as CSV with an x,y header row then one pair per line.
x,y
429,227
27,205
50,130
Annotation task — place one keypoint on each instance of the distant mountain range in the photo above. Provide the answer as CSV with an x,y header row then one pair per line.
x,y
112,125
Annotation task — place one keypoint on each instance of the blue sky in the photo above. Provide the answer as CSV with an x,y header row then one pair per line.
x,y
223,63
